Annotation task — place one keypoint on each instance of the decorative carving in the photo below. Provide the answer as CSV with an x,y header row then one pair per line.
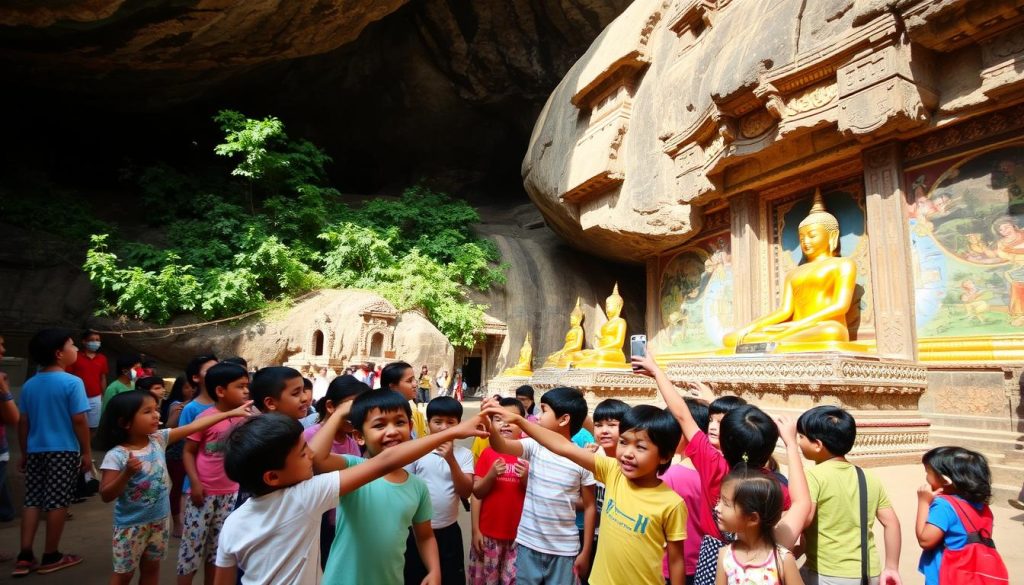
x,y
756,124
1011,119
812,98
773,102
1002,59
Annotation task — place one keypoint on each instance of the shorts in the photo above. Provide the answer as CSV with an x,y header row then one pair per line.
x,y
95,408
812,578
133,544
497,564
200,531
50,479
534,568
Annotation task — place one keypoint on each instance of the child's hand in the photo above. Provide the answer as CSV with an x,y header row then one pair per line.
x,y
890,577
468,428
499,467
492,411
478,542
592,447
245,410
522,468
493,401
432,578
197,495
581,567
645,365
445,450
787,429
926,495
132,465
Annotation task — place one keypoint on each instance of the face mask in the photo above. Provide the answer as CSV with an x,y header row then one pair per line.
x,y
92,345
132,375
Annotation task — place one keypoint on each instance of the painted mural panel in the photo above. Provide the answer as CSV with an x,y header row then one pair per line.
x,y
696,297
967,242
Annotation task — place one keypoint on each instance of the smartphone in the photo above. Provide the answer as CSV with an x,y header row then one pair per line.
x,y
638,345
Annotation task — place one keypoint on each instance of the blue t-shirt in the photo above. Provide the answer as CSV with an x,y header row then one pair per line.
x,y
942,515
189,413
582,439
372,525
145,498
49,400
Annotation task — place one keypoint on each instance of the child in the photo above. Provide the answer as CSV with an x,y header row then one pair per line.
x,y
959,485
280,389
832,533
135,474
400,377
181,393
9,415
750,507
212,496
153,385
448,473
274,535
642,516
310,416
547,540
125,380
748,436
608,414
54,430
373,521
717,410
195,372
524,394
499,484
685,481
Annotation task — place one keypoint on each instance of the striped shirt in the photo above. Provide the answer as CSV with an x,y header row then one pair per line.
x,y
548,524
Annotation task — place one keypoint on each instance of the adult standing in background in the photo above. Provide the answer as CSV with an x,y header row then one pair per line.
x,y
9,415
92,367
424,390
442,382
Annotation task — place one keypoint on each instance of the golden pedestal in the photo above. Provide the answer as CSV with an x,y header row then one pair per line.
x,y
598,385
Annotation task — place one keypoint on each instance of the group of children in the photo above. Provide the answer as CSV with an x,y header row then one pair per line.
x,y
367,490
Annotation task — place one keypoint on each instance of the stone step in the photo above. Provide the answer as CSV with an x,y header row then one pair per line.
x,y
1007,474
991,443
1001,493
981,423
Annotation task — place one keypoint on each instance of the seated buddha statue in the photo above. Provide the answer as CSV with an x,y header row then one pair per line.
x,y
573,340
524,366
816,295
607,350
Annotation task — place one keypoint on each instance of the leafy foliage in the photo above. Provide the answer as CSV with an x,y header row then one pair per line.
x,y
277,230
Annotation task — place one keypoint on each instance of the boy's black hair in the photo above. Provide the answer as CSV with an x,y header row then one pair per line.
x,y
384,400
699,411
833,426
269,383
444,406
755,492
258,445
148,382
610,409
307,384
125,362
117,416
195,365
725,405
339,389
236,360
526,391
88,333
221,375
662,429
45,344
392,373
748,435
567,401
967,470
509,401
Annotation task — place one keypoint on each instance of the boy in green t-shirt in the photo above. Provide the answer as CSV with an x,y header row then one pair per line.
x,y
125,380
826,434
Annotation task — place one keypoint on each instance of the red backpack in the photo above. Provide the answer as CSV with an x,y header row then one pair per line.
x,y
977,562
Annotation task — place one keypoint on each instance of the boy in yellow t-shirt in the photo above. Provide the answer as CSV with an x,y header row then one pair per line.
x,y
642,517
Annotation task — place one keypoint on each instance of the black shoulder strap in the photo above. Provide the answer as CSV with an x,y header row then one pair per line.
x,y
865,566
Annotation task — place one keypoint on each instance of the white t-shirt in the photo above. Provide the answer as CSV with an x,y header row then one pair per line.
x,y
437,474
548,524
275,538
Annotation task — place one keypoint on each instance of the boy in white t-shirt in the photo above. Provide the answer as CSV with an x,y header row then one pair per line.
x,y
274,537
448,473
548,548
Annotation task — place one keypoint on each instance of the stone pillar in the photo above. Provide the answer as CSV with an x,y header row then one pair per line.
x,y
746,257
889,249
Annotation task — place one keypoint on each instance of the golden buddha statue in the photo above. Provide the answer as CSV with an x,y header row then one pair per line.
x,y
816,295
573,340
607,351
524,366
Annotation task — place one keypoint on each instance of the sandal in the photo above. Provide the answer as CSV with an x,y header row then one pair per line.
x,y
22,568
64,562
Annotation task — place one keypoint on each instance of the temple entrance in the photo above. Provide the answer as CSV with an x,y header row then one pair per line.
x,y
377,345
472,370
318,343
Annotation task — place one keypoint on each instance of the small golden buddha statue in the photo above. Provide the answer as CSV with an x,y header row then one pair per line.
x,y
573,340
607,351
816,295
524,366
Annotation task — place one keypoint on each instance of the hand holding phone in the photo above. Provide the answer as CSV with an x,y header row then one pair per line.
x,y
637,347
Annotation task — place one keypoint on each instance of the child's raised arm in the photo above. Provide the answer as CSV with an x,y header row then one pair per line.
x,y
323,460
205,422
549,439
391,459
498,443
645,365
787,530
483,485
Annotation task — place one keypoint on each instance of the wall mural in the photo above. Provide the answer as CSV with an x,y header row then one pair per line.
x,y
967,244
696,297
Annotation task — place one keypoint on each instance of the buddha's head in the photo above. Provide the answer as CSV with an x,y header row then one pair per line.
x,y
576,317
819,231
613,304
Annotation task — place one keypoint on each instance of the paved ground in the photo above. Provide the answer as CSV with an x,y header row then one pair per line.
x,y
89,533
